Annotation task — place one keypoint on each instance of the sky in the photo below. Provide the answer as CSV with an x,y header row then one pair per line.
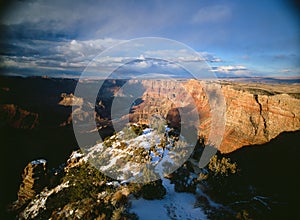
x,y
236,38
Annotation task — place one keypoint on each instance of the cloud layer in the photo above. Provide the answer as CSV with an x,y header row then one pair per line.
x,y
66,34
46,57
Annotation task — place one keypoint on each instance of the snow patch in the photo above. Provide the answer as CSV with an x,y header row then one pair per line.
x,y
39,161
76,154
32,209
147,131
174,206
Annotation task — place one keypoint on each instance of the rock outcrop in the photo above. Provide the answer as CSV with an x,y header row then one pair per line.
x,y
34,179
255,118
16,117
76,159
82,193
70,100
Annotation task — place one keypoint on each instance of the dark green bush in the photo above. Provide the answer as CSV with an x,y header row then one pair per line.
x,y
153,190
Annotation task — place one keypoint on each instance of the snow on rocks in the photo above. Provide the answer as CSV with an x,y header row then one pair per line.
x,y
39,161
126,155
33,208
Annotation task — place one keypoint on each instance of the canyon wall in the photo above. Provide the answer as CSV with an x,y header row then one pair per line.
x,y
253,116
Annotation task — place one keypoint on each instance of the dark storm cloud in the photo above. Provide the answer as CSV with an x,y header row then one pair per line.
x,y
84,19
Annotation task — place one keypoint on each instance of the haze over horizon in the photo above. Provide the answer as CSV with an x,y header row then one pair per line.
x,y
236,38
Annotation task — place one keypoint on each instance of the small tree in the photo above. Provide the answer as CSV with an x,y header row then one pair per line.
x,y
220,175
221,166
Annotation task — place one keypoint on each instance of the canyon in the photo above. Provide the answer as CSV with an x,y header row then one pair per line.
x,y
38,124
252,114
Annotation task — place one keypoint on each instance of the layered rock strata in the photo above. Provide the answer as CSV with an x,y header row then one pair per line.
x,y
253,116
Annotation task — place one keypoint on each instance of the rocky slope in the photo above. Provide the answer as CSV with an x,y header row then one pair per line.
x,y
81,192
218,191
13,116
34,177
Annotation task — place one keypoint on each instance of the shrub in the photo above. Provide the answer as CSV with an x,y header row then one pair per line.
x,y
153,190
221,166
220,178
84,181
128,133
183,180
138,129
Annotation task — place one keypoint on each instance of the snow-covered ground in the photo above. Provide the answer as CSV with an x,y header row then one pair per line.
x,y
174,206
148,147
128,156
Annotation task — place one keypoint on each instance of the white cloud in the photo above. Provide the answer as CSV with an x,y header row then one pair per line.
x,y
286,71
86,49
216,60
292,70
143,64
231,70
